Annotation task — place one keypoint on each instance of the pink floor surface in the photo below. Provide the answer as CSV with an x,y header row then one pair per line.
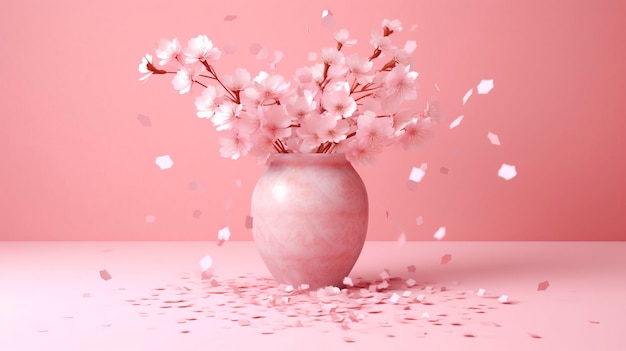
x,y
415,296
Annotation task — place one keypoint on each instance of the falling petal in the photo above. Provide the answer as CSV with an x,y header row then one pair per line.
x,y
503,299
444,170
230,18
493,138
507,172
419,220
481,292
543,285
446,258
230,48
328,20
105,275
255,48
416,174
484,86
164,162
456,122
411,269
196,214
206,262
248,222
467,96
440,234
144,120
437,87
223,234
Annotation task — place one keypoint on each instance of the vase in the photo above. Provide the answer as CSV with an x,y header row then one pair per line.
x,y
310,217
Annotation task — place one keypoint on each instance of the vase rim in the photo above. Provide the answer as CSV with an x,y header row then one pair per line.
x,y
308,157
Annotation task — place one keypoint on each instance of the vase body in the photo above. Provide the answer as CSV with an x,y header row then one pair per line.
x,y
310,217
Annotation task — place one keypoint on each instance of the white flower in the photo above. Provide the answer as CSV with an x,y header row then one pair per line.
x,y
169,50
200,49
343,37
144,66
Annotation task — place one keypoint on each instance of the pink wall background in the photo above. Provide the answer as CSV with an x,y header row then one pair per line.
x,y
77,164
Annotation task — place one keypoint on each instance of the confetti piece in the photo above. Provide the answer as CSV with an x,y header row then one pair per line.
x,y
503,299
444,170
394,298
481,292
419,220
105,275
406,293
467,96
410,282
238,183
493,138
347,281
410,46
420,297
440,234
206,262
446,258
223,234
243,322
594,322
411,268
230,18
196,214
484,86
348,339
416,174
534,336
164,162
456,122
437,87
255,48
401,239
144,120
230,48
150,219
328,20
507,172
425,315
248,223
543,285
384,275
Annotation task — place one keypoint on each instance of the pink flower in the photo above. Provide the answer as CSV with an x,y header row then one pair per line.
x,y
337,100
270,87
207,102
360,68
200,49
416,133
332,56
275,121
238,81
185,77
392,25
300,107
169,50
401,83
360,152
225,115
343,38
374,130
234,143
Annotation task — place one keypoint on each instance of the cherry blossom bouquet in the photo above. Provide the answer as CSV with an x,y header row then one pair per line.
x,y
340,104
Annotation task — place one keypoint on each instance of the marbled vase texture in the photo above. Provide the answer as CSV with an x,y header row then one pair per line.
x,y
310,217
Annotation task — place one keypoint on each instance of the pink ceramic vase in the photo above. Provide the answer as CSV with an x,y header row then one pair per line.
x,y
310,216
